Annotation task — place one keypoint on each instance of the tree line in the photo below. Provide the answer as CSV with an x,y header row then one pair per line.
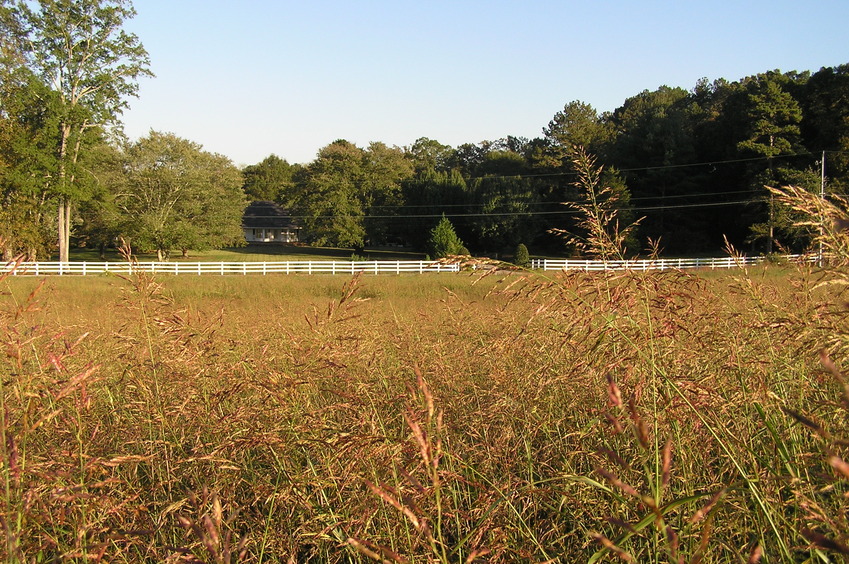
x,y
690,167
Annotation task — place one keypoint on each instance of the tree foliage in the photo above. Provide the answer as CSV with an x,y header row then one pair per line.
x,y
773,119
427,196
429,154
79,50
177,196
443,240
578,124
693,164
344,185
328,200
271,180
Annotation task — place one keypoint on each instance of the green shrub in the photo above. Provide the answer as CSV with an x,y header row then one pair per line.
x,y
521,257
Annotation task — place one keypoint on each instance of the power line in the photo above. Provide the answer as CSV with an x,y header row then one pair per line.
x,y
660,167
515,202
555,202
569,211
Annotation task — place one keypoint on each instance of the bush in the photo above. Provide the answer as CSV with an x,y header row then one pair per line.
x,y
521,257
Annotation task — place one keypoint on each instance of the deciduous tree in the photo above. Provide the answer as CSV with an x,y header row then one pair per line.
x,y
430,154
328,201
177,196
270,180
384,170
80,50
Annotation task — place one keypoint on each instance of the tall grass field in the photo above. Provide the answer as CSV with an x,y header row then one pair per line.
x,y
663,417
588,417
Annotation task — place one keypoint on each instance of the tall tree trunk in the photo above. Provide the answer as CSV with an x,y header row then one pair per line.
x,y
64,206
64,226
62,221
67,234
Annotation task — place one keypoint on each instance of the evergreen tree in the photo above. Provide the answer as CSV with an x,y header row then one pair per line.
x,y
443,240
773,129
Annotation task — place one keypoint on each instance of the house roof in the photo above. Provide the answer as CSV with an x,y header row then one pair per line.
x,y
267,215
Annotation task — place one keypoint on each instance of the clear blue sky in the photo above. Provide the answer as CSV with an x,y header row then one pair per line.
x,y
256,77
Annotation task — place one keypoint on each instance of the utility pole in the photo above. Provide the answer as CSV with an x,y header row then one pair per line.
x,y
822,207
771,223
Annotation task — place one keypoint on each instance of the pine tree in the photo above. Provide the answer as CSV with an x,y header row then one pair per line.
x,y
443,240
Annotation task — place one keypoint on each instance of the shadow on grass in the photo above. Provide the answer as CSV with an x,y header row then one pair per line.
x,y
327,252
255,252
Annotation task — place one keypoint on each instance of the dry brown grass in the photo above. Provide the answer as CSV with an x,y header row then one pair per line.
x,y
644,417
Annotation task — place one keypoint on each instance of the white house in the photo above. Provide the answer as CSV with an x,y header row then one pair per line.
x,y
267,222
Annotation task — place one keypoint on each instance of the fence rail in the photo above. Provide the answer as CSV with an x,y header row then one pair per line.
x,y
661,263
368,267
224,268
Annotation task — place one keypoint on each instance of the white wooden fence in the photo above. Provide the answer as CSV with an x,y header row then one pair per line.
x,y
368,267
660,263
223,268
